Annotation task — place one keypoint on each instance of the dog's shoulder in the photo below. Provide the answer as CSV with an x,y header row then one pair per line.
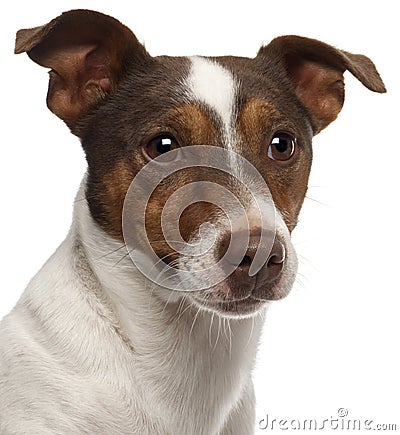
x,y
57,358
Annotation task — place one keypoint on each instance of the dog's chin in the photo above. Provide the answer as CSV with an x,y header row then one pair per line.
x,y
251,303
238,309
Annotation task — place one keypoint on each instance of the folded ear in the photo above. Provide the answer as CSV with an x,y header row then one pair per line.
x,y
88,54
315,70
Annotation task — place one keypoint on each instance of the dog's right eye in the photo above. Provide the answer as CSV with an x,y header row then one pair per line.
x,y
282,147
159,145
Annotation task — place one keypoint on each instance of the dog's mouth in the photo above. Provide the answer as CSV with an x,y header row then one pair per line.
x,y
222,300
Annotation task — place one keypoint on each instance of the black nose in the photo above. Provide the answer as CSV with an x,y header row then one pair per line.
x,y
264,256
270,264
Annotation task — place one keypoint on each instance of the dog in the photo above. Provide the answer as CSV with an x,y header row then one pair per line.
x,y
197,170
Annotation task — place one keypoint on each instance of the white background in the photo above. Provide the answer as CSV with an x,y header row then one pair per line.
x,y
334,342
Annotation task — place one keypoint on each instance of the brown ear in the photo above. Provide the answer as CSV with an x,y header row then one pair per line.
x,y
88,53
316,69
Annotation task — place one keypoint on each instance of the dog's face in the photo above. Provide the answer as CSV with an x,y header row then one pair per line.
x,y
244,125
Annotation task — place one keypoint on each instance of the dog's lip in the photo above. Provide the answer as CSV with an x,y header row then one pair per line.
x,y
248,304
244,306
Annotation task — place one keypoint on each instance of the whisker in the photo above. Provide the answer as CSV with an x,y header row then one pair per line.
x,y
301,281
166,303
317,201
230,338
194,321
126,255
251,332
316,186
224,325
157,283
180,306
160,260
218,333
306,260
111,252
210,328
184,311
182,282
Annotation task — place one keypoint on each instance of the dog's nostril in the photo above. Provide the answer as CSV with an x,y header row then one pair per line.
x,y
246,262
277,255
274,261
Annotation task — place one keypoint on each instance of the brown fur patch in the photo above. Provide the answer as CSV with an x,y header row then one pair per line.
x,y
255,118
192,126
258,121
116,184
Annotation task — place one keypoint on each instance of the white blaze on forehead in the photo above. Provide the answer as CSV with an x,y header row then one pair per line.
x,y
212,84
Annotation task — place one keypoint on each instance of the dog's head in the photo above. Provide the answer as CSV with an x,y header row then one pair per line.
x,y
199,164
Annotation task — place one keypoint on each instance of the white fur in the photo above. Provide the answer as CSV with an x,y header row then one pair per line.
x,y
213,85
91,348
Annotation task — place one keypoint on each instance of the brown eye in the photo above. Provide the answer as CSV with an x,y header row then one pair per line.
x,y
160,145
282,147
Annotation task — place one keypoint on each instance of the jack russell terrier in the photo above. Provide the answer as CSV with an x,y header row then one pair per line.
x,y
120,331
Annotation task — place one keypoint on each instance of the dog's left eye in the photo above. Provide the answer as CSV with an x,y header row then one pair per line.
x,y
282,147
159,145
